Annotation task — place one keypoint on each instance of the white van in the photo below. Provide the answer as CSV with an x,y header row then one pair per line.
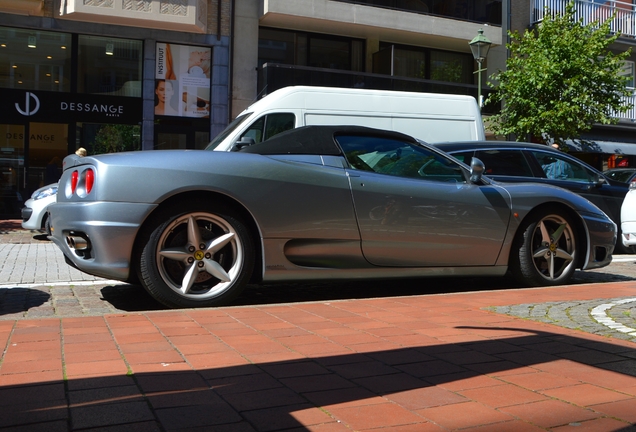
x,y
430,117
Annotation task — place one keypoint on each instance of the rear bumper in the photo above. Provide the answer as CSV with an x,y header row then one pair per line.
x,y
109,227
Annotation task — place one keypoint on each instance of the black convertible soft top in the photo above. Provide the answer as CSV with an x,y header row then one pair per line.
x,y
317,140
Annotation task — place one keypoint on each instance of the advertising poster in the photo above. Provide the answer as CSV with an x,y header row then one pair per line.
x,y
182,81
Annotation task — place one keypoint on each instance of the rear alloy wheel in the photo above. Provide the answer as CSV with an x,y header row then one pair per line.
x,y
545,251
197,259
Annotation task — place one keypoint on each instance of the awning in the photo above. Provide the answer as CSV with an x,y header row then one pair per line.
x,y
608,147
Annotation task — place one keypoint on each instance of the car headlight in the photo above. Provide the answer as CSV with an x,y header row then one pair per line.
x,y
45,193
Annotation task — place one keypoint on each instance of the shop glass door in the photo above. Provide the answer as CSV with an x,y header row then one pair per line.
x,y
12,174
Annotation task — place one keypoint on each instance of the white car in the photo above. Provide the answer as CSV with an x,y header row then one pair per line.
x,y
35,214
628,216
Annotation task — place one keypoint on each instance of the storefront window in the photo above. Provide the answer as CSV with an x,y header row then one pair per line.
x,y
98,138
35,60
108,66
182,84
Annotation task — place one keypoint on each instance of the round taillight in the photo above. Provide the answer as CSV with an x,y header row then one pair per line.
x,y
74,180
90,180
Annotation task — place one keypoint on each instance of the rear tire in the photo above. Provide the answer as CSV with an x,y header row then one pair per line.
x,y
545,250
199,256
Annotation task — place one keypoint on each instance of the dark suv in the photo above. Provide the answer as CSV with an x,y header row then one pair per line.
x,y
526,162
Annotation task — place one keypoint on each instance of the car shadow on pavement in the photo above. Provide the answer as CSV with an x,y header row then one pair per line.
x,y
409,387
130,298
133,298
19,300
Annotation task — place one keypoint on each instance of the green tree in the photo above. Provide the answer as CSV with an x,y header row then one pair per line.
x,y
113,138
560,79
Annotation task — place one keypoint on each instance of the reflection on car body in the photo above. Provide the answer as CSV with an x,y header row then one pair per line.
x,y
315,203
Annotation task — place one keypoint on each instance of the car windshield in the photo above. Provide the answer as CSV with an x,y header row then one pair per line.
x,y
228,130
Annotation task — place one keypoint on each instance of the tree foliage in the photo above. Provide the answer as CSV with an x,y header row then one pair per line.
x,y
560,79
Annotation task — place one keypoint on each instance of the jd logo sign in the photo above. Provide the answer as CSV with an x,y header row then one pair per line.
x,y
28,111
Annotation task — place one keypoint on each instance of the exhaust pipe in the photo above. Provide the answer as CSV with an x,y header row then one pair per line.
x,y
76,242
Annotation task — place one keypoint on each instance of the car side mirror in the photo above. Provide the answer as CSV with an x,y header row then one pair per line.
x,y
477,169
599,180
244,142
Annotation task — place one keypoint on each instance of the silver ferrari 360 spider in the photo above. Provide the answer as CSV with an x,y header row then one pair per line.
x,y
314,203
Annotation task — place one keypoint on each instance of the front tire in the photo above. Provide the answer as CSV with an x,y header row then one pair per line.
x,y
47,226
545,251
198,257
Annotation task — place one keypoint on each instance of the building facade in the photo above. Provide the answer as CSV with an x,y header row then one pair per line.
x,y
106,75
408,45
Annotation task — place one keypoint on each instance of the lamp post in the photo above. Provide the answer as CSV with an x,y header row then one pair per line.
x,y
479,46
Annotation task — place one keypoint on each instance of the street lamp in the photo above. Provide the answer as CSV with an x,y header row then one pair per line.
x,y
479,46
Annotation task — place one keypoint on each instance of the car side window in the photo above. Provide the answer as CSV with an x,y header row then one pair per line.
x,y
398,158
269,125
465,156
277,123
560,168
505,163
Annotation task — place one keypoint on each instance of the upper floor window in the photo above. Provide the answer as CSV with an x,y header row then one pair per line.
x,y
425,63
35,60
310,49
628,71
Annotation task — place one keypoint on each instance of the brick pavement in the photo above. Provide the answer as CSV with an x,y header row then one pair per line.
x,y
422,363
434,362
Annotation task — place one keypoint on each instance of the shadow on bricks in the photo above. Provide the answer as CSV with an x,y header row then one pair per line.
x,y
342,391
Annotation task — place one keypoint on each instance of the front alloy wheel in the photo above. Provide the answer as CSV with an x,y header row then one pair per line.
x,y
198,258
546,251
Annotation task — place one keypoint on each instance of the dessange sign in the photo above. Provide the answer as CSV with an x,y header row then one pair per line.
x,y
65,107
106,109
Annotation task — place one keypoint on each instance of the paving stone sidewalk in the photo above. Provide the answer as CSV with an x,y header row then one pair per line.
x,y
578,315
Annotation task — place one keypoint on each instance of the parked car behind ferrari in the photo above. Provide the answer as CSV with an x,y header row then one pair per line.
x,y
624,175
35,211
314,203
